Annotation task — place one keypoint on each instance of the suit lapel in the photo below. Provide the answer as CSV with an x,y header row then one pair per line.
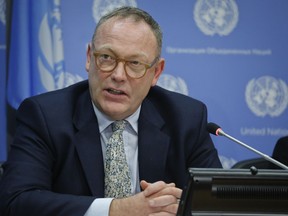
x,y
153,144
88,144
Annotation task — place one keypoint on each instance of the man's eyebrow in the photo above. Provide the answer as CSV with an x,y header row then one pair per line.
x,y
137,55
105,47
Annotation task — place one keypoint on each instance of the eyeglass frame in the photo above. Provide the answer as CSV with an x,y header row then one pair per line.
x,y
117,60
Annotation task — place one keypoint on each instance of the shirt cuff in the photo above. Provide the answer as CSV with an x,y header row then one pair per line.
x,y
99,206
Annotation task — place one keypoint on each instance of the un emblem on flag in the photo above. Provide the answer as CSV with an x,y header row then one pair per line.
x,y
51,52
216,16
267,96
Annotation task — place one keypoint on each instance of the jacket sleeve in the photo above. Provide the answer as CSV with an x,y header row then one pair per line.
x,y
204,154
26,186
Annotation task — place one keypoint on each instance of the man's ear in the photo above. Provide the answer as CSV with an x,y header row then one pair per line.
x,y
158,71
88,57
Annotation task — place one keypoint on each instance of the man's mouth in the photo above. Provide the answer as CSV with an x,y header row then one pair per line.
x,y
115,92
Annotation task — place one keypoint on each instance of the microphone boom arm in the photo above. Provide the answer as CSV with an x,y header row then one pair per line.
x,y
222,133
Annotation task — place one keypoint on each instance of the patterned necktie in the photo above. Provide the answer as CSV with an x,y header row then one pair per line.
x,y
117,176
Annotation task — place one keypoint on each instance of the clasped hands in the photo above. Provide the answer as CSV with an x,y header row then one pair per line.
x,y
156,199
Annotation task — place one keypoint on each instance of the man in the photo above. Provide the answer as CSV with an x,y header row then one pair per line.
x,y
58,162
280,152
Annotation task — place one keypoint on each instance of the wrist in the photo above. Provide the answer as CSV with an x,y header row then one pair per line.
x,y
130,206
117,206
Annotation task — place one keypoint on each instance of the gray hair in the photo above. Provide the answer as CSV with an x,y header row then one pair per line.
x,y
138,15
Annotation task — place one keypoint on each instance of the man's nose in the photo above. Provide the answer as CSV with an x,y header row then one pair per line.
x,y
119,72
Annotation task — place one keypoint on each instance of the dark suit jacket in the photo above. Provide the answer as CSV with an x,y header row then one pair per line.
x,y
280,152
55,166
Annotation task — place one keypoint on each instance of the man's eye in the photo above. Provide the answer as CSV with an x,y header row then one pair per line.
x,y
135,63
105,57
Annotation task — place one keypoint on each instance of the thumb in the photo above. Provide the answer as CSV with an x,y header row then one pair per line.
x,y
144,184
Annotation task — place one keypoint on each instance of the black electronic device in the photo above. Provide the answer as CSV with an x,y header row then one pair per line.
x,y
235,192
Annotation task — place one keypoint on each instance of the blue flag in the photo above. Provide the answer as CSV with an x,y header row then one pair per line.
x,y
36,60
2,81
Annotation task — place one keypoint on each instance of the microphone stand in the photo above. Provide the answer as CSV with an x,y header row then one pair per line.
x,y
222,133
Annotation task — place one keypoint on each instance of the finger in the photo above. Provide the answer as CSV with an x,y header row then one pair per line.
x,y
162,201
171,185
161,214
144,184
172,209
167,211
174,191
154,187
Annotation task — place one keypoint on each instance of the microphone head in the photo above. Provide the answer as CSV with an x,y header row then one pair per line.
x,y
213,128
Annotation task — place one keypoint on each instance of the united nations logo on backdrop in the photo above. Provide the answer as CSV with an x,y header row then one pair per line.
x,y
51,58
2,11
101,7
267,96
172,83
216,16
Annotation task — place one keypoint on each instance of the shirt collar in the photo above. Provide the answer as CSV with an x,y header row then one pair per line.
x,y
104,121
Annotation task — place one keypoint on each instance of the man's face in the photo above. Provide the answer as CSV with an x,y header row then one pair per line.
x,y
115,93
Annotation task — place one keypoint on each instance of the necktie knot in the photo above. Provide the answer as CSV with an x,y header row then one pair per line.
x,y
118,125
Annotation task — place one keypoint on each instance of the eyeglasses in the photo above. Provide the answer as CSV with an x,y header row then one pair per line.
x,y
133,68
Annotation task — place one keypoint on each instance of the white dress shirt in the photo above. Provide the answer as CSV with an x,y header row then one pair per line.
x,y
100,206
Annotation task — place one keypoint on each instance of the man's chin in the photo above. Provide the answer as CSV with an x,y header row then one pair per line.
x,y
116,114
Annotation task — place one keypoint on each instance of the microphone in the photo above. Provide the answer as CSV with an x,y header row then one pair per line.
x,y
216,130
